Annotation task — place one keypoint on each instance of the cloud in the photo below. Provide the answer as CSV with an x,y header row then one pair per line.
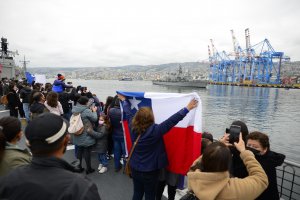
x,y
114,33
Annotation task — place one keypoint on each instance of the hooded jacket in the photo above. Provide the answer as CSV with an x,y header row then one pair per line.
x,y
269,161
115,117
59,86
47,178
13,99
101,137
13,157
25,94
219,185
58,110
87,117
37,107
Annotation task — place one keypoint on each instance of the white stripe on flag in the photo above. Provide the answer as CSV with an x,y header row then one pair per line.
x,y
165,105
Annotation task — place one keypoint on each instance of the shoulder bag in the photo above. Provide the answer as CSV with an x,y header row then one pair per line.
x,y
127,166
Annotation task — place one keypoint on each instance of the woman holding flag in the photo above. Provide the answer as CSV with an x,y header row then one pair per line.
x,y
149,155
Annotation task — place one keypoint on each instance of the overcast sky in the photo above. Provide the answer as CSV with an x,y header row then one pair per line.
x,y
91,33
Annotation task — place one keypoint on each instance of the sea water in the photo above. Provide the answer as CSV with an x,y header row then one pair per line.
x,y
274,111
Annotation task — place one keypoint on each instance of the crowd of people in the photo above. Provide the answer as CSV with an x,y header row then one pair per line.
x,y
242,169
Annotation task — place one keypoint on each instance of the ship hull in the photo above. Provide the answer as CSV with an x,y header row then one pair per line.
x,y
195,83
7,68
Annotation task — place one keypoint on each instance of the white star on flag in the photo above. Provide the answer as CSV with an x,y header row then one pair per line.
x,y
134,103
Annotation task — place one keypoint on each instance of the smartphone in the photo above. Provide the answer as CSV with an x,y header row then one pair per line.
x,y
234,133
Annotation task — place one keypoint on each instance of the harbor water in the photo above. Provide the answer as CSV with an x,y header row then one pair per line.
x,y
274,111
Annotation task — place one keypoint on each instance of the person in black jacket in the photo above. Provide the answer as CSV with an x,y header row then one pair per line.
x,y
48,176
25,96
115,116
237,169
65,98
268,159
13,100
37,107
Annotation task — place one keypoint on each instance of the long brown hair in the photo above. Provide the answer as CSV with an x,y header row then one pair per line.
x,y
52,99
142,119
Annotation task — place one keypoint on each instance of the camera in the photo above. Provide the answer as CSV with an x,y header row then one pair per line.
x,y
234,133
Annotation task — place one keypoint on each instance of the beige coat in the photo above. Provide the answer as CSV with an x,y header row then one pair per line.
x,y
13,157
208,186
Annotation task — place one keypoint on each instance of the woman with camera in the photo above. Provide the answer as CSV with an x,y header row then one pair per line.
x,y
210,179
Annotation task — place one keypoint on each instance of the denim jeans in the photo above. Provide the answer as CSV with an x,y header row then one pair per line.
x,y
144,182
119,150
103,159
26,111
67,115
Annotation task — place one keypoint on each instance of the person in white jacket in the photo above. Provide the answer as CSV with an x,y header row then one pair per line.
x,y
52,103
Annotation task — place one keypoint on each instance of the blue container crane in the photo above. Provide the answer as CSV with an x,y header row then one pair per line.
x,y
259,63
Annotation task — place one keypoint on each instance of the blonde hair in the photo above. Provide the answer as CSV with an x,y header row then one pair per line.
x,y
142,120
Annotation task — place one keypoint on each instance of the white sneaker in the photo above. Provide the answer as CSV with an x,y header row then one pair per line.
x,y
100,166
103,170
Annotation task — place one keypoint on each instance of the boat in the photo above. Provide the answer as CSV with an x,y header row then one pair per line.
x,y
125,79
180,79
7,63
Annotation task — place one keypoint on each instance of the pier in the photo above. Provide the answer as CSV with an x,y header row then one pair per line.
x,y
290,86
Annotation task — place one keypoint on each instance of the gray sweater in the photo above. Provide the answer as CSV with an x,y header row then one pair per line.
x,y
87,116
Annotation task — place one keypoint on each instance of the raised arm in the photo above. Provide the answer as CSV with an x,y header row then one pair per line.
x,y
166,125
126,107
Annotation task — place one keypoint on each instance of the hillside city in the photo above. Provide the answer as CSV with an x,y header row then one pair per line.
x,y
150,72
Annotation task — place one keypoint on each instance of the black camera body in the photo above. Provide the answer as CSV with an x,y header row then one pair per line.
x,y
234,133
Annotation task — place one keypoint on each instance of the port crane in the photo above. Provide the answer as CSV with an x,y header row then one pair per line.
x,y
258,63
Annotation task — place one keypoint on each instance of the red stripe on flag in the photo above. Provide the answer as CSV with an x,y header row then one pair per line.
x,y
128,142
183,146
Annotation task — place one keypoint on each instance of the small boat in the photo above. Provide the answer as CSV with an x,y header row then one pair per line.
x,y
125,79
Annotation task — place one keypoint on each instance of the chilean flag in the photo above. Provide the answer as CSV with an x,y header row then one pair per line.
x,y
182,142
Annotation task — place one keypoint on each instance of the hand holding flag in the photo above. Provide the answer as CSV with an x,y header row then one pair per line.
x,y
182,142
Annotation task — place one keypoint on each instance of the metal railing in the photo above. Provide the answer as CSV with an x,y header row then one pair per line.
x,y
288,180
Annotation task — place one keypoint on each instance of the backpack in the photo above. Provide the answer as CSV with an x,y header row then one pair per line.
x,y
76,125
4,100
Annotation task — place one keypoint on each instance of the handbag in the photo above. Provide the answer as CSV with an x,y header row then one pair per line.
x,y
189,196
127,166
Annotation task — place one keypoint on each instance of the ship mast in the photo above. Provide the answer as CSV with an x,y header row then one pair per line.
x,y
24,62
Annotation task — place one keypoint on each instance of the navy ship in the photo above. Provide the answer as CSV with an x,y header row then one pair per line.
x,y
7,63
179,79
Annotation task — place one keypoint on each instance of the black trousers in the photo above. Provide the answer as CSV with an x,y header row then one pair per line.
x,y
21,111
13,112
160,189
144,183
86,153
